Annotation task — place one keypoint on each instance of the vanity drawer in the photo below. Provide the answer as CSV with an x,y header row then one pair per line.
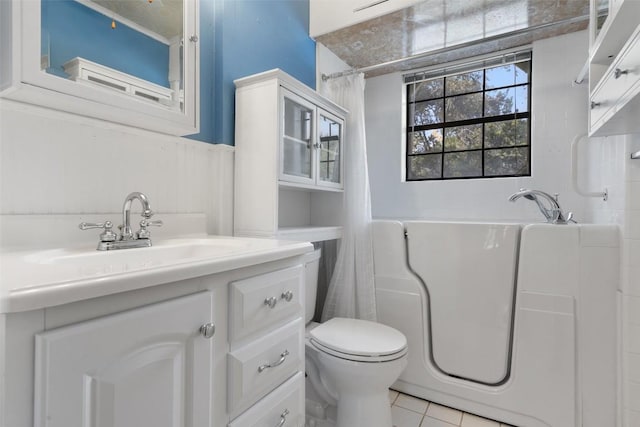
x,y
285,403
620,84
257,368
262,301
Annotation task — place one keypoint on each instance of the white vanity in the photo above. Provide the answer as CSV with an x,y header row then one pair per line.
x,y
202,331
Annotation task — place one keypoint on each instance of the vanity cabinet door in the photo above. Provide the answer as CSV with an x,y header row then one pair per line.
x,y
145,367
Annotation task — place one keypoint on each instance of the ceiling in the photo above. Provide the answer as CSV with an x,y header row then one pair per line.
x,y
439,31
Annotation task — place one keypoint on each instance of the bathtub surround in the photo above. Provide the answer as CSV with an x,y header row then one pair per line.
x,y
608,160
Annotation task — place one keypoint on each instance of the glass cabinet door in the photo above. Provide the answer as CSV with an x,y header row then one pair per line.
x,y
297,139
329,149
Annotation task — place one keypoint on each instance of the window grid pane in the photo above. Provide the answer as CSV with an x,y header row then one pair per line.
x,y
470,125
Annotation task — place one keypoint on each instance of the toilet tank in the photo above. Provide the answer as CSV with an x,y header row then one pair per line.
x,y
312,262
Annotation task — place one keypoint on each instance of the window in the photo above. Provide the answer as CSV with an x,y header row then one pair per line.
x,y
471,121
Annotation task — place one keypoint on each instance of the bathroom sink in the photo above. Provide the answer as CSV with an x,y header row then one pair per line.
x,y
39,278
165,252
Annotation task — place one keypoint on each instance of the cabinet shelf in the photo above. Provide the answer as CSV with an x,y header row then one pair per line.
x,y
296,140
308,187
615,32
309,234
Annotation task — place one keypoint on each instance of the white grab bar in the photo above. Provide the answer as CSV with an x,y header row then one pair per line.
x,y
574,172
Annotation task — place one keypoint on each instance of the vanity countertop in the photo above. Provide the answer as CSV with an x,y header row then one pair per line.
x,y
35,279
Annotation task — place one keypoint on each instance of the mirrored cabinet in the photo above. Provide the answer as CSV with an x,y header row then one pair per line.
x,y
289,159
129,62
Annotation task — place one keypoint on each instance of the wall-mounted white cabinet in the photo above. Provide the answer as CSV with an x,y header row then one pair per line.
x,y
34,48
614,68
330,15
289,162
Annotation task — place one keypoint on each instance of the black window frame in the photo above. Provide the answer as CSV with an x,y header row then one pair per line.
x,y
411,128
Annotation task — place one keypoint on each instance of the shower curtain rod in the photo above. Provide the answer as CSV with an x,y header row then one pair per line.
x,y
568,21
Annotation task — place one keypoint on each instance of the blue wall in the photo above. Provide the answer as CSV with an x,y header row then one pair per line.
x,y
75,30
250,36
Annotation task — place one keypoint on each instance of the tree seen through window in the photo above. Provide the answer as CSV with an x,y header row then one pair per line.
x,y
472,124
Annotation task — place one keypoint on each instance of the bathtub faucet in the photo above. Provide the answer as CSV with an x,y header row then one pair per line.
x,y
553,212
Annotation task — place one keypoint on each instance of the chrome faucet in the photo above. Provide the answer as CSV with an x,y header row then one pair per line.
x,y
552,213
127,239
147,213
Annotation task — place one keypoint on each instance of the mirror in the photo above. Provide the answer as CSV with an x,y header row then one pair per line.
x,y
134,47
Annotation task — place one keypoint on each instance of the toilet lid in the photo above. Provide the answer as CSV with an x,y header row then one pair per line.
x,y
359,337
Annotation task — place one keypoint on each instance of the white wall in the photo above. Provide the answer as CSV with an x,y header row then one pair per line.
x,y
559,113
58,163
610,165
327,63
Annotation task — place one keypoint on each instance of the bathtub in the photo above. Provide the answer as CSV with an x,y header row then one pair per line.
x,y
514,322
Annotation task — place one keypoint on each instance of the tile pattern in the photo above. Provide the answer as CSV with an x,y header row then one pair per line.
x,y
409,411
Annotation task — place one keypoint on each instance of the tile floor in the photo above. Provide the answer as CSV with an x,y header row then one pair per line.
x,y
408,411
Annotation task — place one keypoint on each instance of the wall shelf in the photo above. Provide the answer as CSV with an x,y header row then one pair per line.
x,y
309,234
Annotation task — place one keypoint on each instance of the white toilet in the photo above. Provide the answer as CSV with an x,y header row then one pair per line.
x,y
350,365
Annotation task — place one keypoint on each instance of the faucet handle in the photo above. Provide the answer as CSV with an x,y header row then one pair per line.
x,y
143,233
106,236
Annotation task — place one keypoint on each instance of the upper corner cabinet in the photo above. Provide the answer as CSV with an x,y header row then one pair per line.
x,y
289,134
134,63
614,67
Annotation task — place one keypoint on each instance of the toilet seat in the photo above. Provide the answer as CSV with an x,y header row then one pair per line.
x,y
358,340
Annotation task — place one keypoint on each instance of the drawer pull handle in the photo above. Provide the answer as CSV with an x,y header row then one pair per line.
x,y
207,330
271,302
283,418
594,104
618,72
287,296
283,357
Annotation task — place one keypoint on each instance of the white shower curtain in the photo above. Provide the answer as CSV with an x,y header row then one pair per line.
x,y
351,291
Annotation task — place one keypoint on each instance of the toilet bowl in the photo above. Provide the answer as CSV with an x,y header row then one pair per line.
x,y
350,365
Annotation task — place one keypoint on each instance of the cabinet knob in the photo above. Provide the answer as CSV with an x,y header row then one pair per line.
x,y
287,296
283,418
618,72
271,302
207,330
594,104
